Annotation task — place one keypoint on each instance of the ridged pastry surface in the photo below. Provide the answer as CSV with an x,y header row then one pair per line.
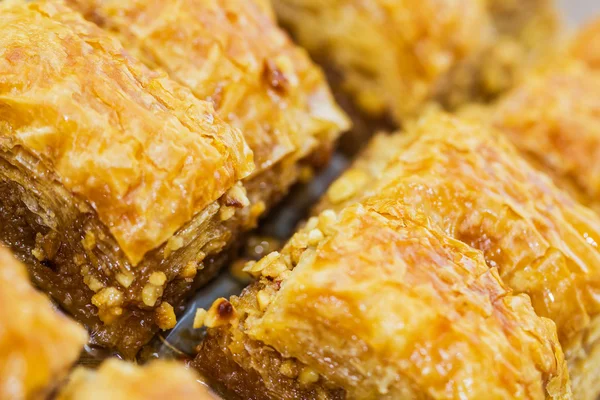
x,y
140,148
384,305
393,57
586,45
399,308
473,183
233,54
553,118
392,297
403,47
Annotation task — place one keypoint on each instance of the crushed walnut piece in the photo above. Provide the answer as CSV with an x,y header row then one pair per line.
x,y
199,318
188,272
89,240
173,244
154,288
108,301
264,298
226,212
308,376
236,197
289,369
269,266
125,279
89,279
220,313
165,316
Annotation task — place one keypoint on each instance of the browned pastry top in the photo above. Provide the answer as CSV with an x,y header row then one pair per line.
x,y
141,149
231,53
473,184
586,45
393,54
554,119
385,305
38,345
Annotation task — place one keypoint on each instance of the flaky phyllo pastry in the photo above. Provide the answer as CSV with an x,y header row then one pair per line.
x,y
123,189
553,115
231,53
392,57
432,271
38,345
585,45
478,189
553,118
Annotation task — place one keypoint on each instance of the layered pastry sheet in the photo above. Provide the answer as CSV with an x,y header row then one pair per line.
x,y
123,189
119,380
393,57
38,345
586,44
231,53
553,118
475,185
430,273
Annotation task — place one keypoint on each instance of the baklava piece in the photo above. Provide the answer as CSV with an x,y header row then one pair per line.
x,y
232,53
473,184
119,380
374,303
586,45
38,345
115,181
553,118
395,56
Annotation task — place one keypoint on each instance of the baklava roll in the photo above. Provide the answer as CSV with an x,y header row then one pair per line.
x,y
120,380
376,302
38,345
393,57
474,185
118,187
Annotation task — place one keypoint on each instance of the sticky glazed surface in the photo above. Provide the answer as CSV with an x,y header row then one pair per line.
x,y
38,345
553,118
233,54
411,52
119,380
72,252
586,44
134,144
474,185
374,303
403,49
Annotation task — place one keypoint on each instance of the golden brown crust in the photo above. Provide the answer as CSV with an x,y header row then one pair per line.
x,y
480,191
72,255
38,345
383,306
403,49
554,119
411,52
586,45
231,53
137,146
119,380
